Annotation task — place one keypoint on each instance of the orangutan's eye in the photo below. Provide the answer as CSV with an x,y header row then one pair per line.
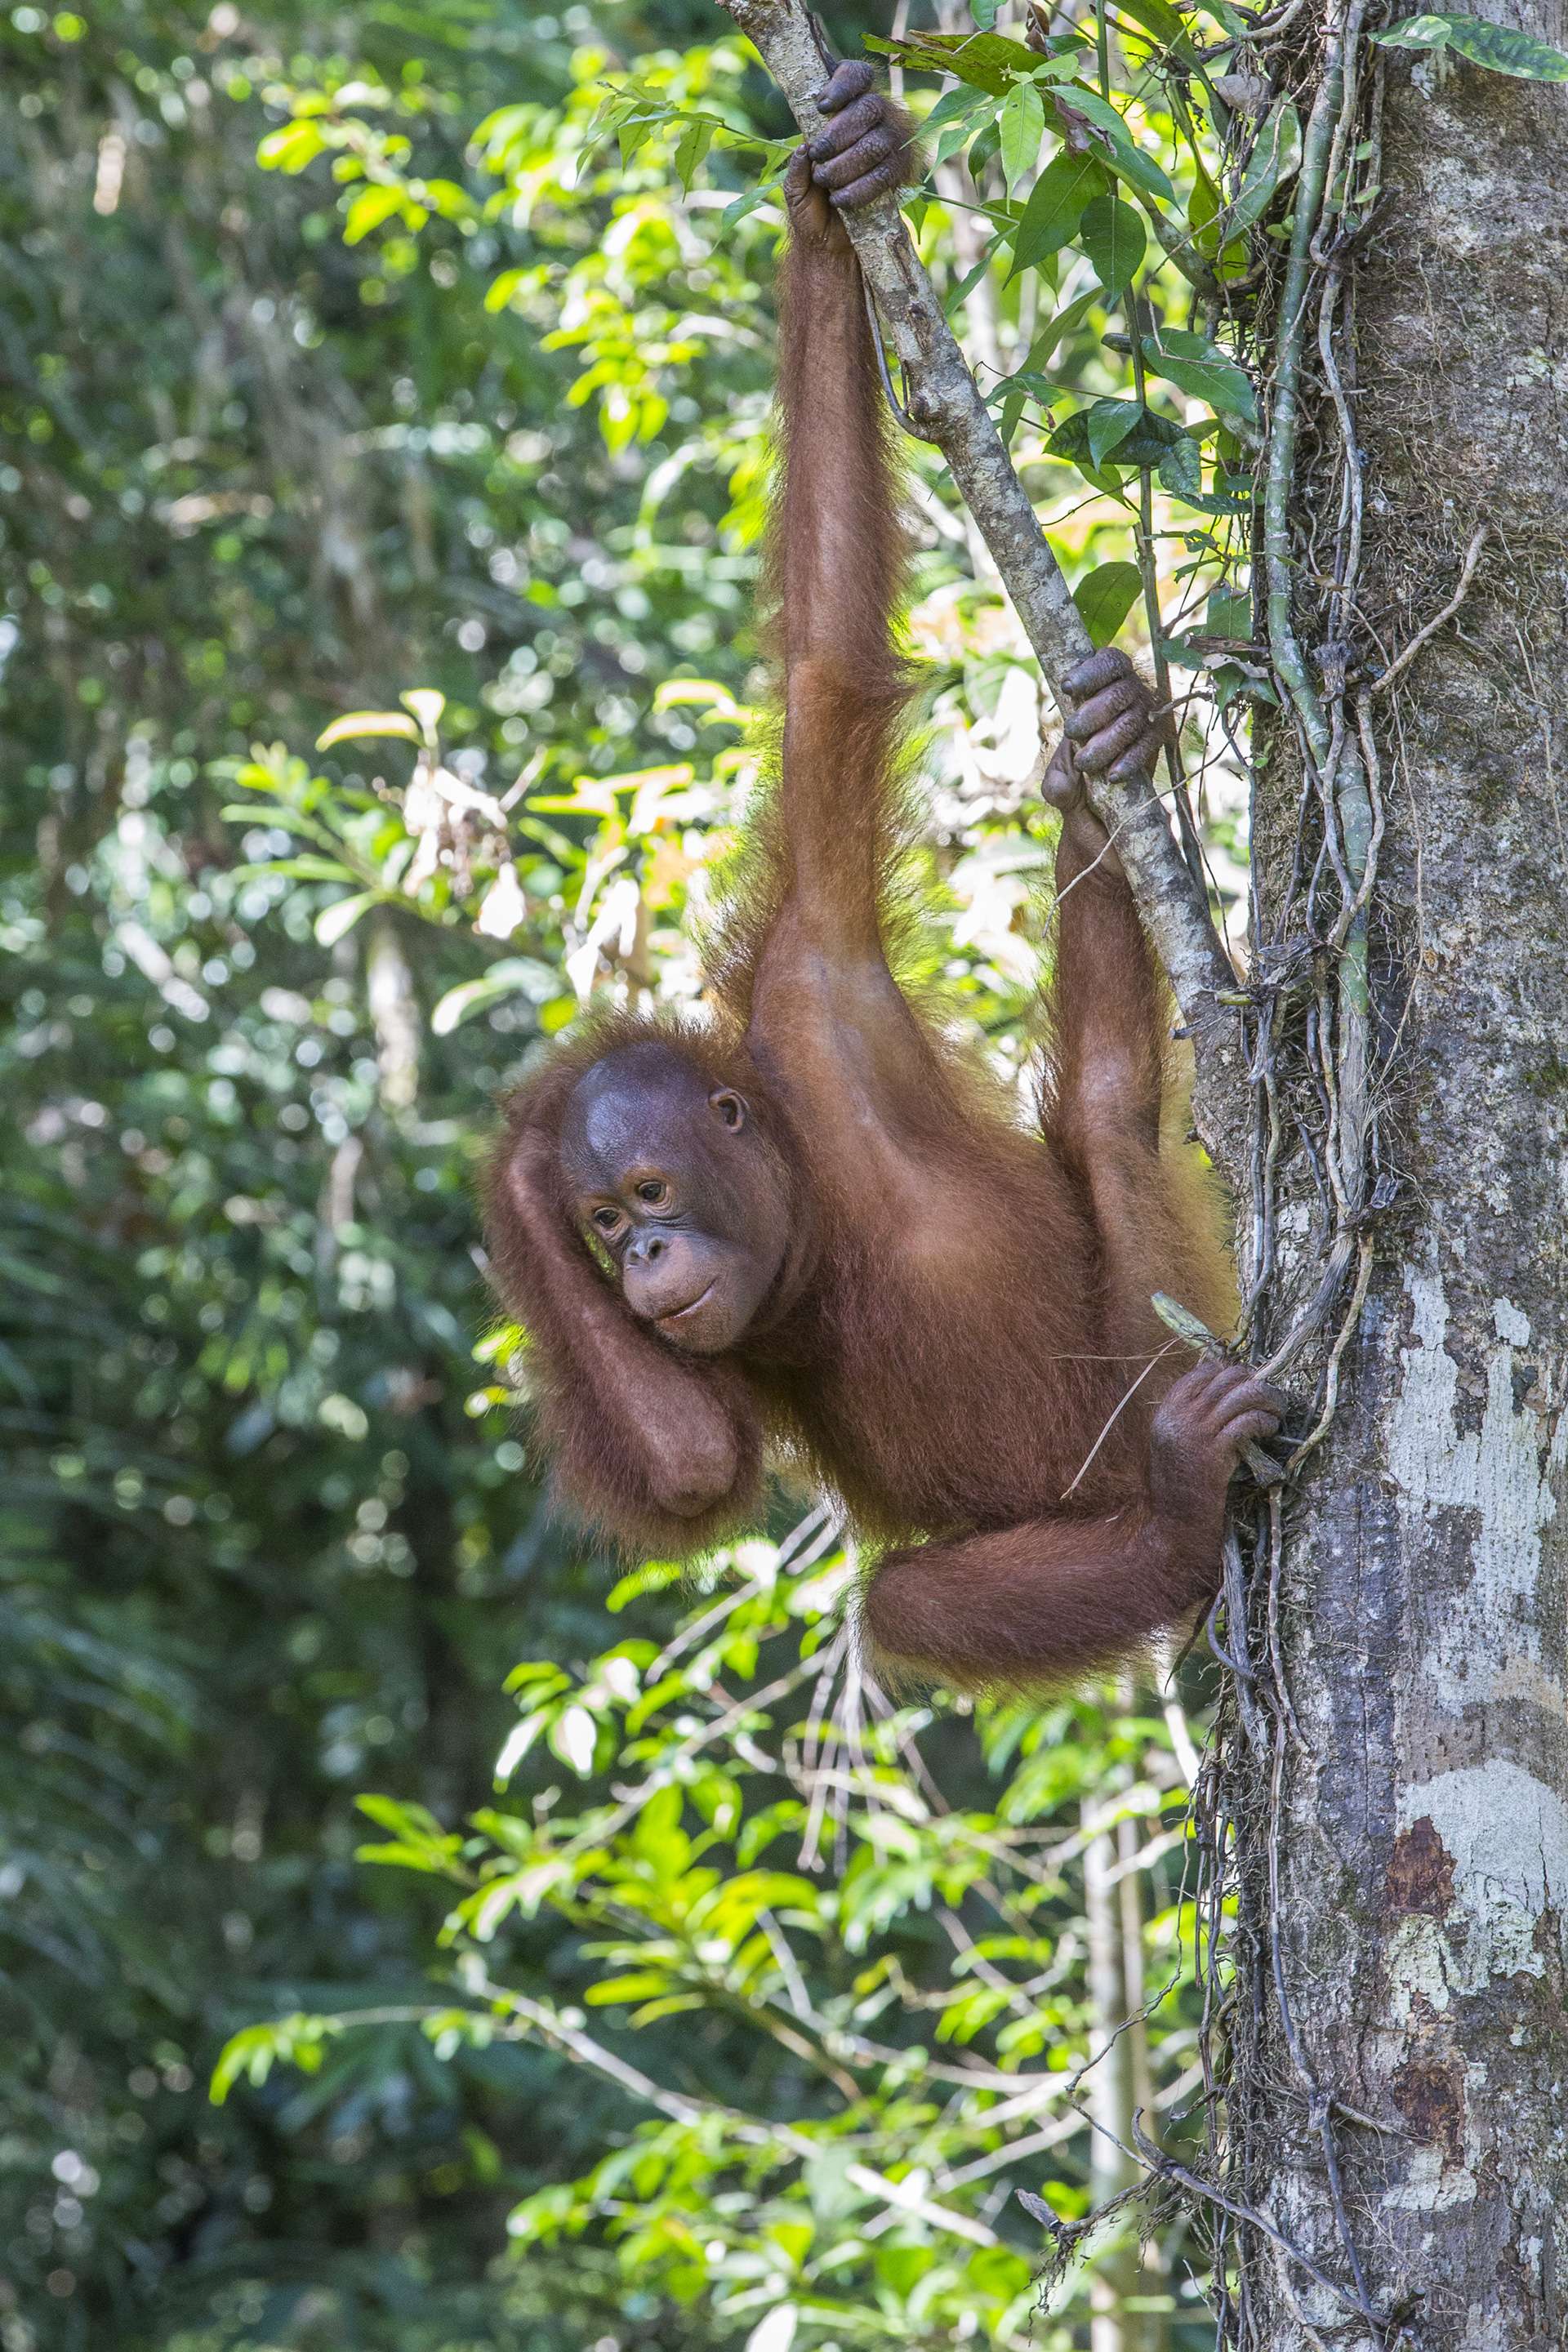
x,y
607,1219
654,1192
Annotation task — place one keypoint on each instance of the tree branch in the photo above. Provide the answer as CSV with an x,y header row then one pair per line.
x,y
945,406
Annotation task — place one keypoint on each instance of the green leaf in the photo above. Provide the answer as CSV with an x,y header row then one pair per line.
x,y
960,294
1497,47
513,976
297,2040
368,210
638,1986
1056,204
336,921
1275,154
1126,159
1022,124
1144,444
1112,235
694,143
1201,368
1106,597
984,149
1107,424
1229,614
503,287
291,149
954,106
1162,23
631,135
359,726
747,203
1066,321
1182,469
445,198
985,60
298,870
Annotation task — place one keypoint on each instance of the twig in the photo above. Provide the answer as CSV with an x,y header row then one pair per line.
x,y
1466,573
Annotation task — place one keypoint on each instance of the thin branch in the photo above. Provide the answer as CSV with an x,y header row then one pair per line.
x,y
1466,573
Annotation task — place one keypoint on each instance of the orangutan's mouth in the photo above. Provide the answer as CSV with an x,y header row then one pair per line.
x,y
679,1314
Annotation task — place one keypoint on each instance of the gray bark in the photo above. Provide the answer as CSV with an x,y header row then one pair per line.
x,y
1421,1831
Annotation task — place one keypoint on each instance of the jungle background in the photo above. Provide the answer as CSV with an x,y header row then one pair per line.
x,y
352,361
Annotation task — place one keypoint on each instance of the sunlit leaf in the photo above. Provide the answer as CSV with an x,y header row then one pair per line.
x,y
1055,205
776,2331
1163,24
573,1736
986,60
361,726
502,289
426,704
369,209
1022,125
335,922
513,976
291,149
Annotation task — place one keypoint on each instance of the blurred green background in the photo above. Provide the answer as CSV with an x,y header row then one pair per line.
x,y
285,435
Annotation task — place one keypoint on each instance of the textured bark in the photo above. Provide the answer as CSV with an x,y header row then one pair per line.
x,y
1423,1829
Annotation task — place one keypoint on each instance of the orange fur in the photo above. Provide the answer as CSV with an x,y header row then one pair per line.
x,y
967,1304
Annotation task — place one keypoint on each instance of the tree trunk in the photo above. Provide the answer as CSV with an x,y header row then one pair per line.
x,y
1420,1820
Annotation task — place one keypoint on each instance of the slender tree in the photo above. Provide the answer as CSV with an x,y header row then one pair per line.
x,y
1404,1795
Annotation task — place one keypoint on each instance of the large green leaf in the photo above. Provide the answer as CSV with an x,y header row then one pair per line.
x,y
1022,125
1057,201
1108,424
1497,47
1182,469
1115,240
1201,368
1145,444
1126,158
1066,321
1105,597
